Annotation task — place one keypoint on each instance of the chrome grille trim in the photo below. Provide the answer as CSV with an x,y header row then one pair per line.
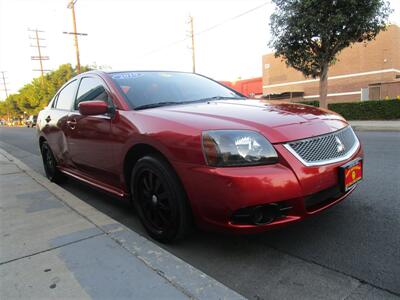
x,y
323,149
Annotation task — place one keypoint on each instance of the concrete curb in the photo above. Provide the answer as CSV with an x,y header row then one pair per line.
x,y
391,125
184,277
374,128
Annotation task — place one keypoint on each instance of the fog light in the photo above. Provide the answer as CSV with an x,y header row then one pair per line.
x,y
257,216
264,214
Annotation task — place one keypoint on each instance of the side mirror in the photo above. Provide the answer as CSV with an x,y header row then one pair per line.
x,y
90,108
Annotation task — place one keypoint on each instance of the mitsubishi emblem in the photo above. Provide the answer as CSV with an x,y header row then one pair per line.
x,y
340,145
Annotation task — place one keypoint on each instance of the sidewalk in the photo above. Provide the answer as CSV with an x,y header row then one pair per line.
x,y
376,125
53,245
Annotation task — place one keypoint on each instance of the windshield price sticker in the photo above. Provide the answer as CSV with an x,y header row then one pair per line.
x,y
126,75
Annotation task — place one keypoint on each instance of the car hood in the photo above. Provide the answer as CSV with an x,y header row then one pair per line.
x,y
278,122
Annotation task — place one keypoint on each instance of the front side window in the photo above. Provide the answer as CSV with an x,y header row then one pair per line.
x,y
148,87
90,89
66,96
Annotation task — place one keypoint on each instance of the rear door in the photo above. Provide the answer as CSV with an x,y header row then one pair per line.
x,y
89,137
54,119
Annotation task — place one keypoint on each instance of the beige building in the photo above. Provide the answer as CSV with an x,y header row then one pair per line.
x,y
363,71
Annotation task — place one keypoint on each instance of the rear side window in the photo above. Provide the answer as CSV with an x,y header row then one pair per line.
x,y
91,88
53,102
66,96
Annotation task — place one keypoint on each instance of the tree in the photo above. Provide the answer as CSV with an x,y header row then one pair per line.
x,y
9,107
34,96
309,34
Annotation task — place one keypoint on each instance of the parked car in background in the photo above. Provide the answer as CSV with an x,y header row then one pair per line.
x,y
187,150
31,121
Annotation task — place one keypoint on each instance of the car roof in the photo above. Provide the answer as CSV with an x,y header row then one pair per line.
x,y
110,72
149,71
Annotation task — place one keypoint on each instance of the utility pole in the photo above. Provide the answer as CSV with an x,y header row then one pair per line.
x,y
39,47
71,5
4,83
6,91
191,35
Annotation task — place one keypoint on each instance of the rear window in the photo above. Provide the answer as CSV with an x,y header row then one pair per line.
x,y
141,88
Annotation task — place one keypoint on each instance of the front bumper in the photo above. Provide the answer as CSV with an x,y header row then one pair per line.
x,y
216,194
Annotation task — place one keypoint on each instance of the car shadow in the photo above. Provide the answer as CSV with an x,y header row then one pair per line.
x,y
303,235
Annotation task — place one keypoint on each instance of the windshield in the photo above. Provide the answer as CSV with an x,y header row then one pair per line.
x,y
147,89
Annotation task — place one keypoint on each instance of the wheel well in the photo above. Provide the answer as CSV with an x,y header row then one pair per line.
x,y
41,141
134,154
140,150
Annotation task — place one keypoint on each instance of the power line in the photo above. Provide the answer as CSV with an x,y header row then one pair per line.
x,y
207,29
232,18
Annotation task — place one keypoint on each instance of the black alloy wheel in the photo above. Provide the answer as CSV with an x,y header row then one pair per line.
x,y
50,164
160,200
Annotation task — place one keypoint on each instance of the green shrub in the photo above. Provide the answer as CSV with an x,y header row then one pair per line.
x,y
312,103
366,110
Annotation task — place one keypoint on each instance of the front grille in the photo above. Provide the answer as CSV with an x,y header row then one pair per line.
x,y
325,149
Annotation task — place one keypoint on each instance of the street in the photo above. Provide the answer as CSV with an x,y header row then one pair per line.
x,y
357,238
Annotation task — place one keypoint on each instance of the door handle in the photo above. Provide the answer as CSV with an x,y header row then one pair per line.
x,y
71,123
48,119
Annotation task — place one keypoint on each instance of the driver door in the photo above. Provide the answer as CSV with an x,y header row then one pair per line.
x,y
88,137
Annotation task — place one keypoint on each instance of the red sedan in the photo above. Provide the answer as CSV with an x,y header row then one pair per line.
x,y
189,151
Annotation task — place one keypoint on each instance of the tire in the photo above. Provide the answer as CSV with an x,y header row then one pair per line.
x,y
50,164
160,200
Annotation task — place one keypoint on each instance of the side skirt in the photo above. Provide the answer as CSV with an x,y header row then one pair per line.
x,y
95,183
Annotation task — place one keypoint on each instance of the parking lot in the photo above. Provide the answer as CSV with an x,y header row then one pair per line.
x,y
358,238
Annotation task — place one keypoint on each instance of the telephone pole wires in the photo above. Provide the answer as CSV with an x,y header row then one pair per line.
x,y
39,47
71,5
191,35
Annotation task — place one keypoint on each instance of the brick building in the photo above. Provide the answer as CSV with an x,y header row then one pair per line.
x,y
250,87
363,71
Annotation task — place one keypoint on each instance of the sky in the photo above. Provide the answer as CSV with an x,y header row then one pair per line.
x,y
138,35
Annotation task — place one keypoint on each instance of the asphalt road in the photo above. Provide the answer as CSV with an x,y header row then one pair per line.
x,y
359,237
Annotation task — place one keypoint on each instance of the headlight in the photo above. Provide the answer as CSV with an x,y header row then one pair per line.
x,y
227,148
